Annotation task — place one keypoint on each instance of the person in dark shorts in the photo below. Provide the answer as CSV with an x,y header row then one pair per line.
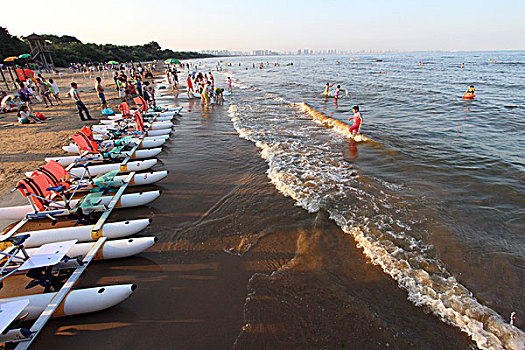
x,y
100,91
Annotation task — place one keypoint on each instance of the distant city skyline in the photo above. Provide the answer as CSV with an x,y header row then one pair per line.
x,y
242,26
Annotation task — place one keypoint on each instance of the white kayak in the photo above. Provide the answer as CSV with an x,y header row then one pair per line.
x,y
111,230
114,249
78,301
148,142
139,154
95,170
126,201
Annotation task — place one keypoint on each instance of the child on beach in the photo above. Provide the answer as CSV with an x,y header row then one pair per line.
x,y
45,91
358,120
24,94
55,91
24,117
100,91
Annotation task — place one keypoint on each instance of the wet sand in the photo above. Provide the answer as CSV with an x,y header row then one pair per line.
x,y
238,265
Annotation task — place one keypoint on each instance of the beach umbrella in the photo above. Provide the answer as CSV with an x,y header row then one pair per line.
x,y
112,62
26,55
10,59
172,60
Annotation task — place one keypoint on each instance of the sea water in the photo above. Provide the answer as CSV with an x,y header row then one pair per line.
x,y
436,199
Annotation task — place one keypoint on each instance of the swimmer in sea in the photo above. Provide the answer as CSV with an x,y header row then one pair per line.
x,y
358,120
328,86
470,92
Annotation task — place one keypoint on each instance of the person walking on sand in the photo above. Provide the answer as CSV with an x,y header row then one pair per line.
x,y
45,91
55,91
25,95
73,92
100,91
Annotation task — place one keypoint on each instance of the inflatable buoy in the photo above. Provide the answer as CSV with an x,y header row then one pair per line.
x,y
469,96
107,111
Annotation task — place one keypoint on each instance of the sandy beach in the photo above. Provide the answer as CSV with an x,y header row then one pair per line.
x,y
229,270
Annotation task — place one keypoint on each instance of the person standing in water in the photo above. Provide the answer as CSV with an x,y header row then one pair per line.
x,y
338,91
358,120
229,84
327,88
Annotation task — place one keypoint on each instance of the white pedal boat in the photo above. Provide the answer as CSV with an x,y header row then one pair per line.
x,y
95,170
110,230
139,154
150,126
148,142
162,117
104,132
139,179
78,301
114,249
126,201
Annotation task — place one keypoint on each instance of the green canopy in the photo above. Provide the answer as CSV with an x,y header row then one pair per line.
x,y
26,55
112,62
172,60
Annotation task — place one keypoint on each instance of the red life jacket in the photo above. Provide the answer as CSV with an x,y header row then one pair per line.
x,y
139,121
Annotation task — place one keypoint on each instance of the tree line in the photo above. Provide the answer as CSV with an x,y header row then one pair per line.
x,y
68,49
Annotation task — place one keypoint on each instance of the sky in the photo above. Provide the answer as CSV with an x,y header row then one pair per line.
x,y
285,25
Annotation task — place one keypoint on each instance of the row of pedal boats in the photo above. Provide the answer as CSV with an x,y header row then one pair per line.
x,y
80,190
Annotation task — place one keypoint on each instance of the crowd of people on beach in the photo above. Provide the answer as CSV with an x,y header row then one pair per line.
x,y
33,89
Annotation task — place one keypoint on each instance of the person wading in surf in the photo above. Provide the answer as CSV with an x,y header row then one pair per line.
x,y
358,120
327,88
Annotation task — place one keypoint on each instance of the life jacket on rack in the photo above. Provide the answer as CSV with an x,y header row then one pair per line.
x,y
139,121
35,189
84,142
124,109
141,103
55,173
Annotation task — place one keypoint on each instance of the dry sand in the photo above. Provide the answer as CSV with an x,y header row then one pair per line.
x,y
24,147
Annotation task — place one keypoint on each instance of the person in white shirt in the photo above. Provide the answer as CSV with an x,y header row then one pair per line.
x,y
73,92
56,91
